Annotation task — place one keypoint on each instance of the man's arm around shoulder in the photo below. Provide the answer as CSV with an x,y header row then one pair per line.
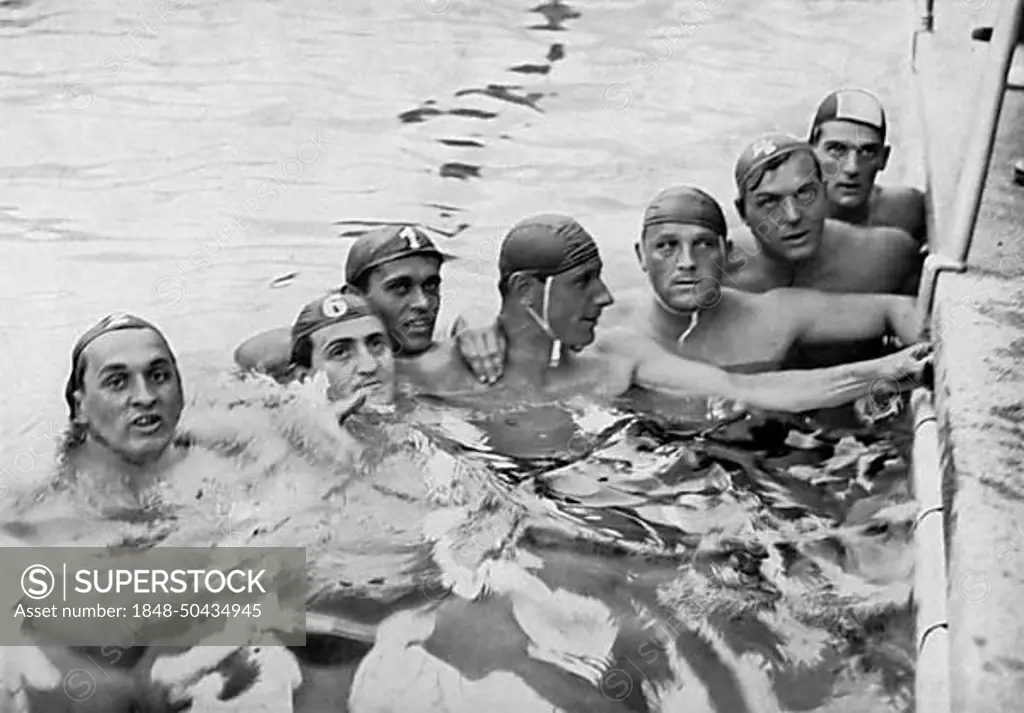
x,y
441,370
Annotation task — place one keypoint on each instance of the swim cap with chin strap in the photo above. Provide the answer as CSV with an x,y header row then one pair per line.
x,y
545,246
686,205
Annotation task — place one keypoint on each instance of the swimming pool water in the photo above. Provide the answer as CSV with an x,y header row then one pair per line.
x,y
133,136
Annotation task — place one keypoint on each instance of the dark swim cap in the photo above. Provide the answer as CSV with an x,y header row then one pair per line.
x,y
384,245
762,150
111,323
545,245
333,308
687,205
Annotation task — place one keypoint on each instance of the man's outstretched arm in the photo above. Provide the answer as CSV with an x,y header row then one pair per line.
x,y
828,317
794,391
269,351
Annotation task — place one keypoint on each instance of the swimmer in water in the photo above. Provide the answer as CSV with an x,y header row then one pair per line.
x,y
125,400
848,134
398,270
552,299
340,335
682,249
783,199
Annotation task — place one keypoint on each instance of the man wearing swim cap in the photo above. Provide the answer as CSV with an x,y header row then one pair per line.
x,y
398,270
682,250
552,299
848,134
124,398
340,335
782,198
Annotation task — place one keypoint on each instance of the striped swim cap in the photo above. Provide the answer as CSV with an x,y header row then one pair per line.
x,y
856,105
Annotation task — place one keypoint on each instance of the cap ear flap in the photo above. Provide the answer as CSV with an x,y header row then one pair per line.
x,y
740,207
639,250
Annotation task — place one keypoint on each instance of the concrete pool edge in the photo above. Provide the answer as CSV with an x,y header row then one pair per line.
x,y
978,328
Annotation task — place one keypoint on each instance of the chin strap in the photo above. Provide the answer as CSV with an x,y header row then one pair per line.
x,y
542,321
694,318
694,315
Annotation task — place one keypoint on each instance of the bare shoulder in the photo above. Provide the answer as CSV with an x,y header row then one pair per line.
x,y
888,258
440,369
750,272
905,196
900,207
896,241
616,340
874,240
899,201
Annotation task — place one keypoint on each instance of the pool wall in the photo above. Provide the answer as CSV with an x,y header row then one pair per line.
x,y
976,443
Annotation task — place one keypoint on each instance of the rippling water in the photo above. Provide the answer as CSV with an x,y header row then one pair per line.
x,y
757,567
132,130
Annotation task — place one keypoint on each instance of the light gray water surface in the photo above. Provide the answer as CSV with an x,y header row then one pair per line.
x,y
132,131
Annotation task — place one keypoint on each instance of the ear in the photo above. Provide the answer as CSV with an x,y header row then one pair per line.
x,y
521,286
885,157
640,256
78,395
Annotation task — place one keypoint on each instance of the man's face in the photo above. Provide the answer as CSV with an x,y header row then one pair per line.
x,y
578,297
787,210
131,396
357,359
406,294
851,156
684,264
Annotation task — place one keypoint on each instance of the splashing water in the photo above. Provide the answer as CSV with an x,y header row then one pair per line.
x,y
760,566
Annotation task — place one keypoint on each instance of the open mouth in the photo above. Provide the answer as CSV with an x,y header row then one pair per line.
x,y
147,423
